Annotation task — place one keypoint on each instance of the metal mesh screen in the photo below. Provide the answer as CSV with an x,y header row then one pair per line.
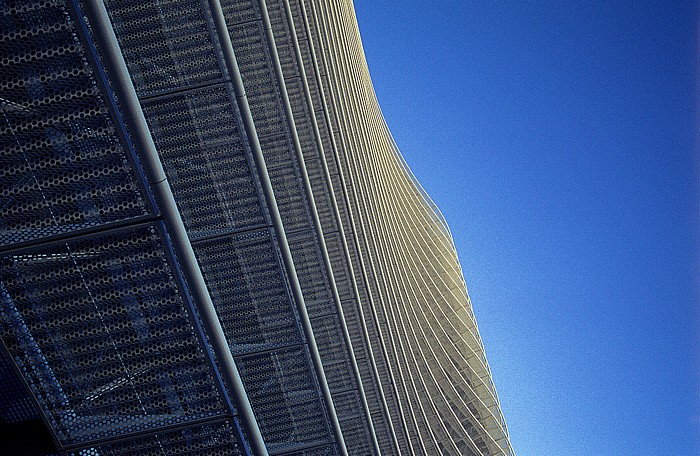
x,y
199,141
166,44
99,331
276,149
356,432
287,177
254,61
240,10
216,439
312,276
15,404
327,332
283,40
322,196
61,161
291,200
198,136
285,401
326,450
339,375
341,273
354,423
248,289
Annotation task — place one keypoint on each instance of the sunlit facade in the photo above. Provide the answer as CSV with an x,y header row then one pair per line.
x,y
211,244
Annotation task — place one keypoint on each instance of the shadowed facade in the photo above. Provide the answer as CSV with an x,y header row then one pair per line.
x,y
211,244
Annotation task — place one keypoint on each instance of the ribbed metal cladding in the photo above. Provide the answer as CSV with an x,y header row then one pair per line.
x,y
295,174
196,126
424,323
95,321
332,274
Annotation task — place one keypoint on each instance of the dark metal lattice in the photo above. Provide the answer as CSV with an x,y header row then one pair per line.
x,y
199,141
99,331
60,159
166,44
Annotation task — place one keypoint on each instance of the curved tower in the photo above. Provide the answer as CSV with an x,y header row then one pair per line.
x,y
211,244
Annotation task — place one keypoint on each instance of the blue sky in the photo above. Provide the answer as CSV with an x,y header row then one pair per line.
x,y
558,139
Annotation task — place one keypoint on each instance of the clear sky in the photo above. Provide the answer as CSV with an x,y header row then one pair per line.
x,y
557,137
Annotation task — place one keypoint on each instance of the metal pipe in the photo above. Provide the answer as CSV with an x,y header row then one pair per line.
x,y
336,212
258,158
131,108
393,384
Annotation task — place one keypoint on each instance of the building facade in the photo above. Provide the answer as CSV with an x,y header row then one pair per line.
x,y
211,244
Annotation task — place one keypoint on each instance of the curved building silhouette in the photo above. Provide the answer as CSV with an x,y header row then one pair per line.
x,y
211,244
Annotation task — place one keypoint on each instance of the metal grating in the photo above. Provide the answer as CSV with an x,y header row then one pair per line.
x,y
248,290
200,144
61,160
99,331
166,44
286,403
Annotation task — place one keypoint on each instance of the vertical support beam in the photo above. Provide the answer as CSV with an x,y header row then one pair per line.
x,y
141,136
258,158
354,235
334,204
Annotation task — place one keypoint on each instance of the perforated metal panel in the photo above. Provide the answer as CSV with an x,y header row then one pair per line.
x,y
249,292
312,276
100,333
254,60
15,404
326,450
285,399
62,167
339,375
341,274
323,310
287,177
330,339
200,144
283,40
166,44
276,149
216,439
355,431
240,10
198,138
291,200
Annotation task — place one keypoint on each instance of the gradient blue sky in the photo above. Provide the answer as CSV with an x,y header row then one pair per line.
x,y
557,137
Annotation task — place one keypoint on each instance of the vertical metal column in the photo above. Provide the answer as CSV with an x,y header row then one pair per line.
x,y
334,204
251,132
355,236
141,136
